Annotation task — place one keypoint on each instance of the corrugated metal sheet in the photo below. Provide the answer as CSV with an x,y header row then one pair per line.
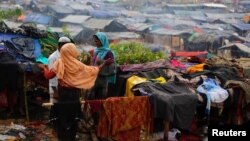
x,y
96,23
76,19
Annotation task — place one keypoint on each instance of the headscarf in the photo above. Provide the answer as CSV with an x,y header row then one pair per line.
x,y
101,52
73,72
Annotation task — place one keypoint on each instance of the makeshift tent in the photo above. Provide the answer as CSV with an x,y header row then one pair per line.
x,y
84,36
80,8
59,11
115,26
242,27
103,14
75,19
38,19
237,50
122,36
97,24
242,47
23,45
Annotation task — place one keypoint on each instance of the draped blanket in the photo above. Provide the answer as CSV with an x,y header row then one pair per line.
x,y
123,118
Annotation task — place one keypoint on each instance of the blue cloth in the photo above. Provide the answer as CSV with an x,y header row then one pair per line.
x,y
207,86
37,50
38,53
101,52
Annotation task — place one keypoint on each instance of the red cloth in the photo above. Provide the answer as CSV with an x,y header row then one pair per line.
x,y
189,54
176,64
95,105
123,118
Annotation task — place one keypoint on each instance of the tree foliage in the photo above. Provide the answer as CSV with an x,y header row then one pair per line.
x,y
10,13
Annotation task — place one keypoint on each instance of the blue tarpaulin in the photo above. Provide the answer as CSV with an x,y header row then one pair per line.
x,y
103,14
27,46
242,26
38,18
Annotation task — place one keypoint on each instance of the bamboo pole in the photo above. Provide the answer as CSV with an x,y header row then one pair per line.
x,y
49,104
25,96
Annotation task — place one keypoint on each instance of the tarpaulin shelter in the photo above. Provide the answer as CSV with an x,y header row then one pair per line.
x,y
21,51
103,14
119,36
97,24
242,28
84,36
74,19
169,8
166,36
59,11
115,26
189,14
80,8
38,19
236,50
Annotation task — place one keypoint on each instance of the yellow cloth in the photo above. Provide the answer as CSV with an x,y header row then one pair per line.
x,y
195,68
134,80
71,71
160,80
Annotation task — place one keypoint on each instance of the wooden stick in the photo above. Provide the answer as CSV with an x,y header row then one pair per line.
x,y
25,96
49,104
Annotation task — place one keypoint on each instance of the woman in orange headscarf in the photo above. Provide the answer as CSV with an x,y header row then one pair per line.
x,y
72,74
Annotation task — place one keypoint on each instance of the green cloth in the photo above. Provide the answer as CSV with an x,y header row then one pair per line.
x,y
49,44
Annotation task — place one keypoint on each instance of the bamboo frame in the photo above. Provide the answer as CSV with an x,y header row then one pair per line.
x,y
25,96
